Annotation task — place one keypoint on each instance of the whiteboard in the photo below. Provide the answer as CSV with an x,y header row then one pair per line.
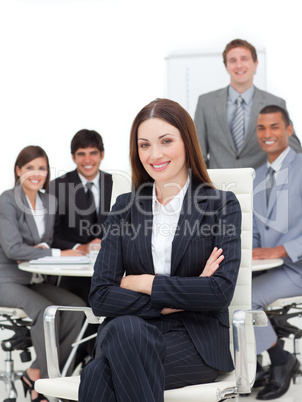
x,y
191,75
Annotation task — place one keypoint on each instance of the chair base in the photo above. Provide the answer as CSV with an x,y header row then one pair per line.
x,y
9,376
278,313
13,320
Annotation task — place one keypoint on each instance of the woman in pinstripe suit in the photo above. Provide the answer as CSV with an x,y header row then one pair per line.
x,y
26,229
167,318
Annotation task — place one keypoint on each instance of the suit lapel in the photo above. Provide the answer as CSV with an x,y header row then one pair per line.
x,y
189,222
259,193
142,220
280,182
258,104
220,106
105,185
76,194
48,216
29,219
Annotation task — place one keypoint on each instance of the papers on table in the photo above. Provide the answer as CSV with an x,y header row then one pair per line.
x,y
61,260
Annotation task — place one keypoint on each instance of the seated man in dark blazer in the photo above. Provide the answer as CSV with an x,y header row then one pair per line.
x,y
82,209
226,119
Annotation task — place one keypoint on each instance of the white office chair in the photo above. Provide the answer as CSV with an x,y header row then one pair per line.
x,y
121,183
242,341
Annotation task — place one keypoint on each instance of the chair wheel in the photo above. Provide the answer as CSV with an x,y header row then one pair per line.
x,y
25,356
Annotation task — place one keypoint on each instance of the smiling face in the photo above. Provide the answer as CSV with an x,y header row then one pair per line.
x,y
273,134
33,175
241,68
162,152
88,161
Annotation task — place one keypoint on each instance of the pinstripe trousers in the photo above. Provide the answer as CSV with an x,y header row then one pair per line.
x,y
33,299
135,360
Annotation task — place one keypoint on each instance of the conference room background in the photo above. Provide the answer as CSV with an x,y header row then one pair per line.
x,y
73,64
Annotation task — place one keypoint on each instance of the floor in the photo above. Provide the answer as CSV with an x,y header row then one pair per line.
x,y
293,395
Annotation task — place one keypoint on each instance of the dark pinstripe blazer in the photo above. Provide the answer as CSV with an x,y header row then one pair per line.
x,y
209,218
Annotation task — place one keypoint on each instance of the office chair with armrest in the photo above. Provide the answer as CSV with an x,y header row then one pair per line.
x,y
242,340
15,320
279,312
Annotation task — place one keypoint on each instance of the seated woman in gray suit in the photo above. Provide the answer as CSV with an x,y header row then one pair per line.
x,y
26,228
167,318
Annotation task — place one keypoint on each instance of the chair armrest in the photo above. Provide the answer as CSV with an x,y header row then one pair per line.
x,y
242,321
51,341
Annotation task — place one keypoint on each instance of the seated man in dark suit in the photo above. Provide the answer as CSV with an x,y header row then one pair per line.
x,y
277,234
226,118
82,208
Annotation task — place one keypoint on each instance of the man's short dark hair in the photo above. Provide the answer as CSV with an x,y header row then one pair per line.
x,y
277,109
239,43
86,138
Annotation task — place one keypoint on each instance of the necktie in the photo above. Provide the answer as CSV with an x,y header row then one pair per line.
x,y
91,211
238,124
269,182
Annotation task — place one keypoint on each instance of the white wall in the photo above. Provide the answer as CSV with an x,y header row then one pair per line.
x,y
72,64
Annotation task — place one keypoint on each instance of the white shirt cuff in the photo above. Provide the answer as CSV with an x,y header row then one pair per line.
x,y
56,252
44,244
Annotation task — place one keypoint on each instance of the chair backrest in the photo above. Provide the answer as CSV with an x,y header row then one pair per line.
x,y
121,184
240,182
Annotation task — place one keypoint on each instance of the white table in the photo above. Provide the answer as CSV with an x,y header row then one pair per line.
x,y
260,265
87,269
58,269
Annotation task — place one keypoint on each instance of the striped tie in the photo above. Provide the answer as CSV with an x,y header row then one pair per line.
x,y
238,124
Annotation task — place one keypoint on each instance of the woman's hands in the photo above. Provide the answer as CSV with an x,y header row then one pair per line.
x,y
168,310
71,253
84,248
143,283
213,262
64,253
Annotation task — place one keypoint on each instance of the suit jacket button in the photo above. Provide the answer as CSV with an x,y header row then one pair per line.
x,y
266,227
237,157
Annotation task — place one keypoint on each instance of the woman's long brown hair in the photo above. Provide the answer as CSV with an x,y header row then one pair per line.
x,y
177,116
